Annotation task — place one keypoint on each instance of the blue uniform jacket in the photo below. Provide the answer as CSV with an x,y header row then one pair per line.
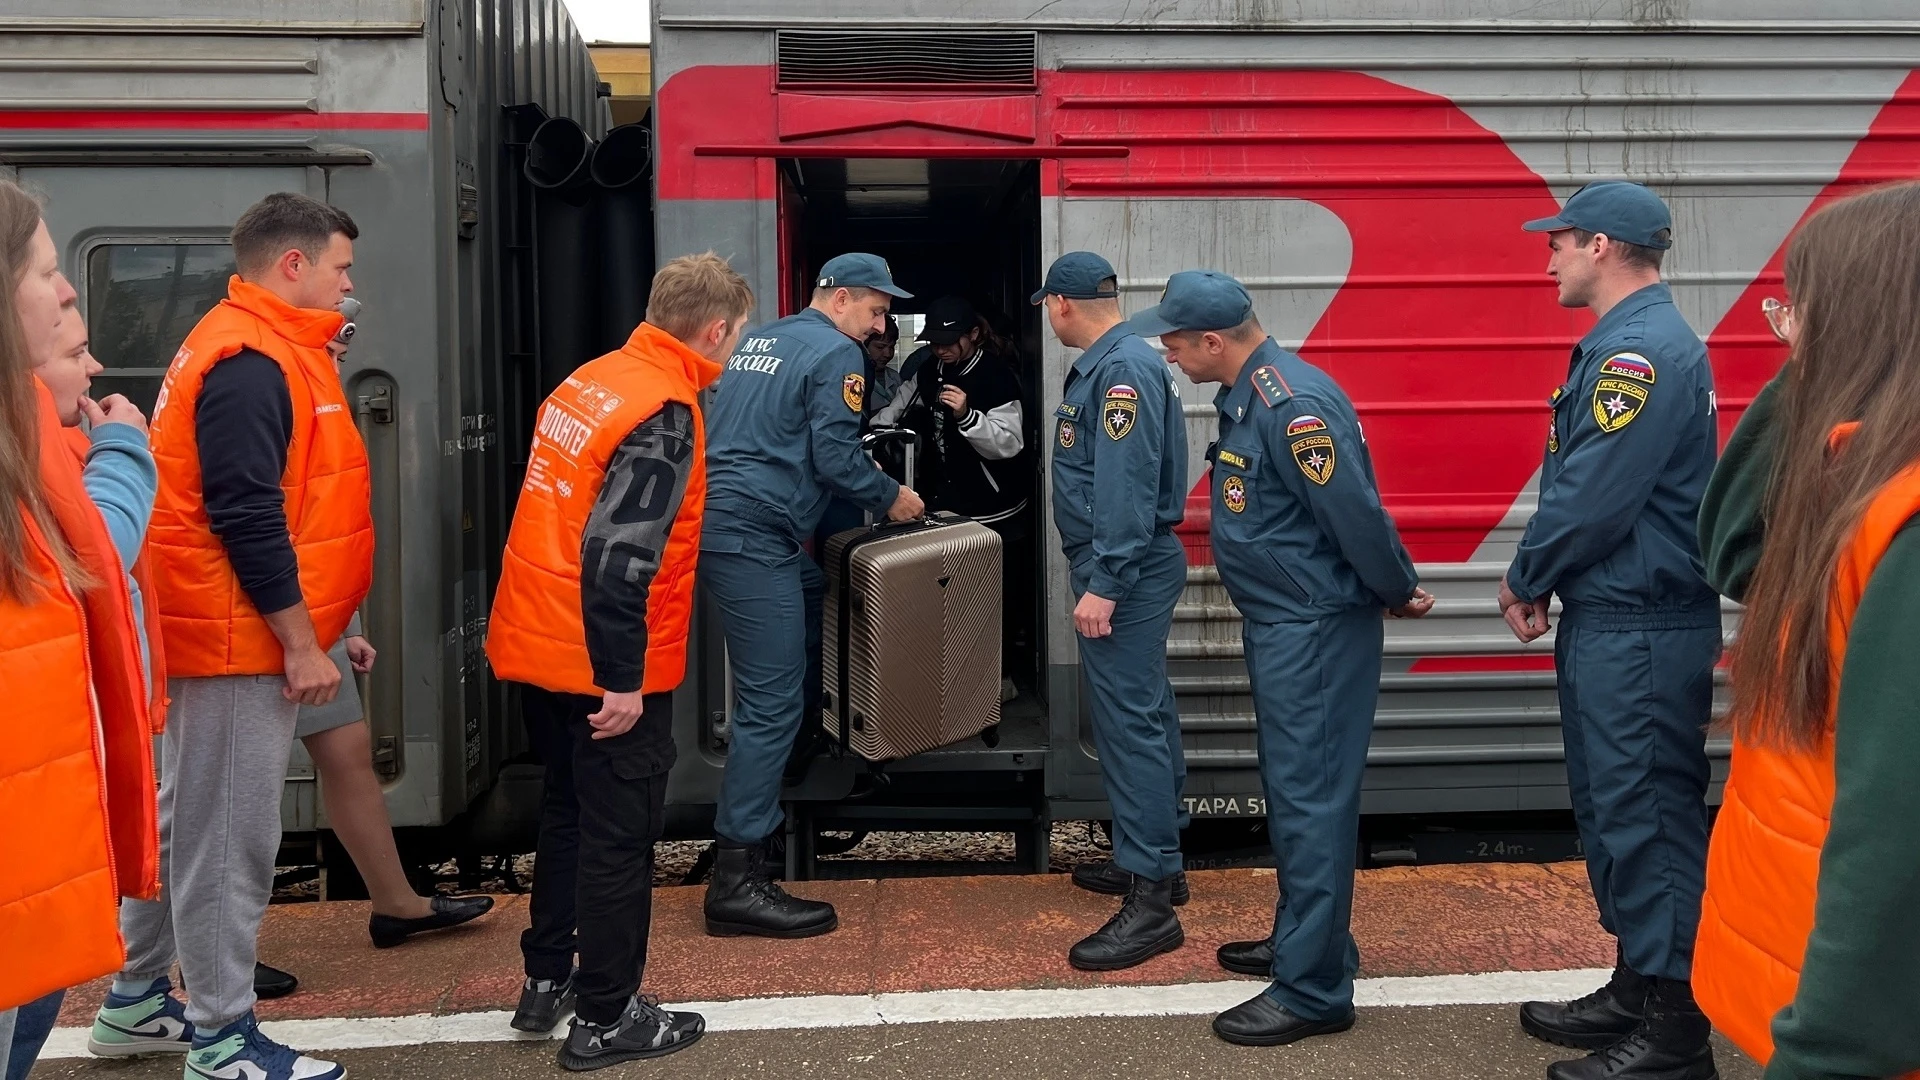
x,y
1629,449
783,432
1119,460
1298,529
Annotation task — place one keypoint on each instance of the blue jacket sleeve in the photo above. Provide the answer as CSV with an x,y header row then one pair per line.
x,y
1604,481
1338,488
122,480
835,403
1126,472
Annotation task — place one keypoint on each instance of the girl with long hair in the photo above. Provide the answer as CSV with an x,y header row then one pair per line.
x,y
77,813
1809,950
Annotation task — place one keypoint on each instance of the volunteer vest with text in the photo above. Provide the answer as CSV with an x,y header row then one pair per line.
x,y
1763,866
210,625
537,633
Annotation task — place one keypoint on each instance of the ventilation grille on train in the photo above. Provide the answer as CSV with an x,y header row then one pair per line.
x,y
906,58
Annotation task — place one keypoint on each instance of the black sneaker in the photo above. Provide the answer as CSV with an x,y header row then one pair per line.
x,y
542,1001
645,1030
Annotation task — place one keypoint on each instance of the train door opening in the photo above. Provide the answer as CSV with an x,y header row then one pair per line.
x,y
947,227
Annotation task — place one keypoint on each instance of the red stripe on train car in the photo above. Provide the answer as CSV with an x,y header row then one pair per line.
x,y
208,120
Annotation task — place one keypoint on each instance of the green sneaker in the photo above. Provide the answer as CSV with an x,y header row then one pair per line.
x,y
241,1051
154,1023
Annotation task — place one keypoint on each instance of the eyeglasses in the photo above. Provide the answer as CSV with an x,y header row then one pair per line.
x,y
1779,317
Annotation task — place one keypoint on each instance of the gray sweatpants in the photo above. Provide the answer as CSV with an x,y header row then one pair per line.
x,y
223,760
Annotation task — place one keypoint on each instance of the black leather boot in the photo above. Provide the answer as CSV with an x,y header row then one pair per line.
x,y
1669,1044
1107,878
742,898
1143,928
1596,1021
1247,957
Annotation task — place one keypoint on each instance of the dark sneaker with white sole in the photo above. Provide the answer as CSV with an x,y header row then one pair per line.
x,y
644,1031
542,1003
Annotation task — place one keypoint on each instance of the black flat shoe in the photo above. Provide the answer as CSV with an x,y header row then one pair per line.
x,y
388,930
1247,957
1264,1022
271,982
1108,879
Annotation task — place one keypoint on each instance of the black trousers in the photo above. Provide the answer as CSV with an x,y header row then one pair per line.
x,y
603,809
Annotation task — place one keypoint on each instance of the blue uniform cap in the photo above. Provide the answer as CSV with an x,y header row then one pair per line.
x,y
859,270
1195,300
1077,276
1621,209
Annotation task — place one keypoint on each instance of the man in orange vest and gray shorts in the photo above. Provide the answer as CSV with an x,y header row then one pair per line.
x,y
591,616
260,556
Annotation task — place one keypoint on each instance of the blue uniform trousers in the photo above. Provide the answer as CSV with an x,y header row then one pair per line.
x,y
1634,709
1315,684
769,598
1136,724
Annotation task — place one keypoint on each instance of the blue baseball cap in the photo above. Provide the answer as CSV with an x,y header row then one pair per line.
x,y
1195,300
1620,208
859,270
1077,276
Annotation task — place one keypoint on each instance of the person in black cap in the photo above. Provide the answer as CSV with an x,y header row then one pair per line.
x,y
1119,488
966,404
1629,448
783,438
1310,558
967,408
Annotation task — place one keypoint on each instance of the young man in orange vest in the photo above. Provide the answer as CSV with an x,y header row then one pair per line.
x,y
260,557
591,616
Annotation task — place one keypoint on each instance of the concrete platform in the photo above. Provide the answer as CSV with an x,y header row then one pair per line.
x,y
940,977
986,933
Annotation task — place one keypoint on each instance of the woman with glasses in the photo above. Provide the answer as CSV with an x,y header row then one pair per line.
x,y
1809,949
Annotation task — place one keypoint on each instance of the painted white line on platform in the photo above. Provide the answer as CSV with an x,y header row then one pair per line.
x,y
925,1007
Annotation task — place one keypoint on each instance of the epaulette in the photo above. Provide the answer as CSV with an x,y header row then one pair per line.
x,y
1272,387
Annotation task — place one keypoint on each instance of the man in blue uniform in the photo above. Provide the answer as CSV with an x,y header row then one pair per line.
x,y
783,438
1311,559
1630,446
1119,488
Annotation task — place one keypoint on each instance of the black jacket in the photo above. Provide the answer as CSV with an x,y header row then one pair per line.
x,y
979,464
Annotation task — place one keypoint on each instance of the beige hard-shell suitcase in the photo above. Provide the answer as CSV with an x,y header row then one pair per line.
x,y
911,656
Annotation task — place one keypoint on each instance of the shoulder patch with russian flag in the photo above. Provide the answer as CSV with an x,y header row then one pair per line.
x,y
1628,365
1305,425
1122,390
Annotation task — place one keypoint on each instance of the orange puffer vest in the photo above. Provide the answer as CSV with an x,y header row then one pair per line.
x,y
211,627
142,573
537,634
78,826
1763,865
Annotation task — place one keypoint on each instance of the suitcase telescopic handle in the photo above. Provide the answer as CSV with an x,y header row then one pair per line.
x,y
905,438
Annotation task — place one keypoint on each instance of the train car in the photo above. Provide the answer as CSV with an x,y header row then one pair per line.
x,y
151,130
1364,166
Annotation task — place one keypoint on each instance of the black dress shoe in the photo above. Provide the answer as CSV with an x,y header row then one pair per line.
x,y
1670,1043
389,930
1265,1022
1143,928
1595,1021
743,899
1247,957
541,1003
271,982
1108,879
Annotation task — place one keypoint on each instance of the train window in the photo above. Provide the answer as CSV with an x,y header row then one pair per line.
x,y
142,299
